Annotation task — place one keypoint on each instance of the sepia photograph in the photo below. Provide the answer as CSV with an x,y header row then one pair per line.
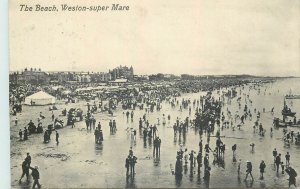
x,y
154,94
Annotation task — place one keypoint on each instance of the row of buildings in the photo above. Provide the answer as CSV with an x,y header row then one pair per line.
x,y
119,74
37,76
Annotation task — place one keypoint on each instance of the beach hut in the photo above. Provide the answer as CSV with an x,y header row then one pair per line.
x,y
40,98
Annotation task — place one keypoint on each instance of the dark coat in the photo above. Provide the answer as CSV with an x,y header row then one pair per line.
x,y
35,173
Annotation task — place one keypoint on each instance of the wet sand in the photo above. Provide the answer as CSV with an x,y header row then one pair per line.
x,y
78,162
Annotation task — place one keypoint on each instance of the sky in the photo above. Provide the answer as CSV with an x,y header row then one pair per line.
x,y
171,36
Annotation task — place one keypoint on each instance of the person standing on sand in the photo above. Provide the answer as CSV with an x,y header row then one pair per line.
x,y
127,165
274,154
110,126
278,162
36,176
262,167
28,159
200,146
94,123
249,170
25,134
239,166
114,126
199,161
292,176
20,134
99,126
252,147
132,162
56,137
287,159
25,171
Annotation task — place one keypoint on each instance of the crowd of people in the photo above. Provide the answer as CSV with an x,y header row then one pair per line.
x,y
210,119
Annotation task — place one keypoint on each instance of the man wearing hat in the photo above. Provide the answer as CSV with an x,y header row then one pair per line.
x,y
36,176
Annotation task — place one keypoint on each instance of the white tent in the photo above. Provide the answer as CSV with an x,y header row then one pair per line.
x,y
40,98
57,87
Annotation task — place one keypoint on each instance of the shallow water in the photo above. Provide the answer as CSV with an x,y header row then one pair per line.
x,y
78,162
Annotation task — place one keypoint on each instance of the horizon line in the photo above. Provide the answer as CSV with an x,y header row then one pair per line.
x,y
227,74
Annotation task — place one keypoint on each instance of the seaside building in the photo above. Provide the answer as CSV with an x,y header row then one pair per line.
x,y
29,76
122,72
